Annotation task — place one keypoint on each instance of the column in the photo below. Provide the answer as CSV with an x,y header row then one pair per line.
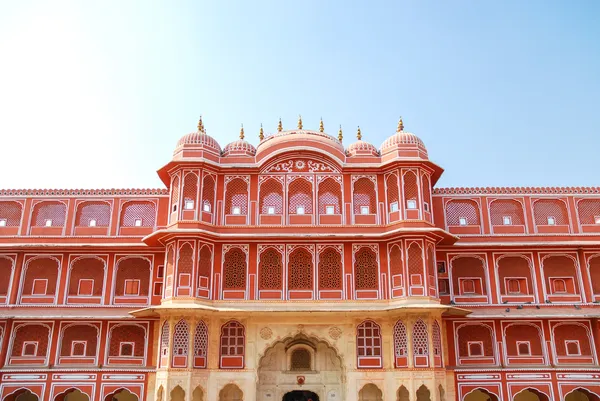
x,y
410,321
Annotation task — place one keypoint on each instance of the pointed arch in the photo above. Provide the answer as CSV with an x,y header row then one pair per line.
x,y
402,394
233,344
205,268
330,272
437,344
416,269
181,344
177,394
164,344
231,392
330,196
270,273
201,346
400,345
420,343
270,200
300,270
185,268
300,196
208,196
370,392
190,192
369,345
396,262
93,214
423,393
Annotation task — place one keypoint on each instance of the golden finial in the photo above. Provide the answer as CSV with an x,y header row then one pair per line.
x,y
321,127
279,126
400,125
358,134
242,132
299,121
200,125
261,134
340,135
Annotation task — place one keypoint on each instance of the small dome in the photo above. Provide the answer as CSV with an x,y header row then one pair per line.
x,y
199,140
362,148
406,144
239,148
402,139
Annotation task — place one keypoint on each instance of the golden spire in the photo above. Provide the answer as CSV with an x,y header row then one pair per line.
x,y
200,125
279,126
340,135
321,127
400,125
299,121
242,132
358,134
261,134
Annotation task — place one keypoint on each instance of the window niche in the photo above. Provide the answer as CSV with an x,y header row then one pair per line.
x,y
300,358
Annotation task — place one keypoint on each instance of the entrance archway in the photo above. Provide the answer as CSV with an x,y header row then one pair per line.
x,y
301,357
123,395
581,395
480,395
299,395
22,395
73,394
530,394
370,392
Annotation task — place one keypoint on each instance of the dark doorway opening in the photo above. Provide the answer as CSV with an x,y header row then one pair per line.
x,y
299,395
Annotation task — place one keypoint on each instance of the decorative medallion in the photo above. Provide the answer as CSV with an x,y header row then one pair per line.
x,y
335,332
300,327
300,380
266,333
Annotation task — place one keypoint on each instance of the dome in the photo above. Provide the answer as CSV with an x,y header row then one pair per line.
x,y
239,148
200,140
361,148
406,143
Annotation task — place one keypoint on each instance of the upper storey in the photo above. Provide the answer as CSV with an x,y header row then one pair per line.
x,y
297,178
550,214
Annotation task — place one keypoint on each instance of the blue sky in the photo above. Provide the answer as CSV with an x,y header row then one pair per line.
x,y
96,94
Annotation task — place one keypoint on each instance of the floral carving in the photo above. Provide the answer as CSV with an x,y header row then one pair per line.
x,y
266,333
335,332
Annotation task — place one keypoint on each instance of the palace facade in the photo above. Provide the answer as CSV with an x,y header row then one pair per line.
x,y
300,270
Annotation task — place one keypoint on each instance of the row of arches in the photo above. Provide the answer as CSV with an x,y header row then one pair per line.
x,y
517,276
78,343
71,394
88,213
512,212
531,394
523,343
86,280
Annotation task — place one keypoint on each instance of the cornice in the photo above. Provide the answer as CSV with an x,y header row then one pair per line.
x,y
517,191
85,192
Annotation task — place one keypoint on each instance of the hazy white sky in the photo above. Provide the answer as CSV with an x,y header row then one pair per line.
x,y
96,94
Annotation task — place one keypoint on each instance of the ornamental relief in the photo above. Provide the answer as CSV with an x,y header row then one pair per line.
x,y
301,166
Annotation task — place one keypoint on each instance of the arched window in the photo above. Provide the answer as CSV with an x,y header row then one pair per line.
x,y
185,266
400,345
181,343
86,278
164,344
524,340
397,271
420,343
550,212
411,190
594,268
236,197
170,271
300,193
127,342
10,213
392,193
271,197
330,270
462,212
468,277
78,341
300,270
132,278
138,214
300,360
370,392
270,270
363,196
515,279
175,194
416,269
368,343
233,341
208,194
560,274
365,270
330,197
234,270
431,269
49,214
190,191
204,270
92,214
437,344
6,269
572,340
507,212
31,340
475,341
201,346
425,184
40,280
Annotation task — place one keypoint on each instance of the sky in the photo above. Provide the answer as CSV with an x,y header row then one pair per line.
x,y
96,94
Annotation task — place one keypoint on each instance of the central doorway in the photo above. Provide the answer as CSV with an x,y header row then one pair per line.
x,y
299,395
